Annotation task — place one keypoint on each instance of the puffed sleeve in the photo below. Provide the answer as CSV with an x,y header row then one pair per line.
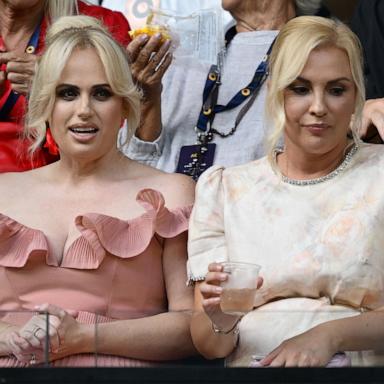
x,y
207,242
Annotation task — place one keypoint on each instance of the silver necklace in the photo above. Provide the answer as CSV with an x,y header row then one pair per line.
x,y
318,180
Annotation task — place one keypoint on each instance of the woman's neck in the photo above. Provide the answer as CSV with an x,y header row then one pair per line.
x,y
264,15
17,25
75,171
298,165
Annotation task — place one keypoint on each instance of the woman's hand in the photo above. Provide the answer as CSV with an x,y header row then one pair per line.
x,y
372,127
149,60
313,348
28,343
64,336
211,292
20,70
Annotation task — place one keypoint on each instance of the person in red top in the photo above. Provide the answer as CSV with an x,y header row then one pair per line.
x,y
22,37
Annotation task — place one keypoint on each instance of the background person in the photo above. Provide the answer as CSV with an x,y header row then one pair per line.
x,y
98,236
311,214
367,23
23,27
238,134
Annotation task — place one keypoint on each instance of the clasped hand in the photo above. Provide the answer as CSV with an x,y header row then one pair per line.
x,y
28,343
20,71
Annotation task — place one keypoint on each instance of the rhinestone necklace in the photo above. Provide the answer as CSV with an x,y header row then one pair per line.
x,y
318,180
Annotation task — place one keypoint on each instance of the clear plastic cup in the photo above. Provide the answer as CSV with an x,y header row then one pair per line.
x,y
240,288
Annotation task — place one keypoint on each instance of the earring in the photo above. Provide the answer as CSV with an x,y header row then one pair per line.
x,y
50,143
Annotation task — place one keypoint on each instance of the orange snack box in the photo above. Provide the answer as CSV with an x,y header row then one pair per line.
x,y
151,30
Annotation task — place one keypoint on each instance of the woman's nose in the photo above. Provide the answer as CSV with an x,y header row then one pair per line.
x,y
84,107
318,105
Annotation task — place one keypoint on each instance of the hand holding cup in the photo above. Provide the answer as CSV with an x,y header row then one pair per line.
x,y
239,288
216,284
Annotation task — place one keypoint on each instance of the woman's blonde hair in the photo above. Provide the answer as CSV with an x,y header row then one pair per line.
x,y
296,40
63,38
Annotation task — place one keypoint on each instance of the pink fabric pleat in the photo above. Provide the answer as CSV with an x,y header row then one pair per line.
x,y
99,234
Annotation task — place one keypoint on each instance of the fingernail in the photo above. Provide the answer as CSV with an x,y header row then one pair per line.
x,y
157,35
143,37
167,43
223,277
218,290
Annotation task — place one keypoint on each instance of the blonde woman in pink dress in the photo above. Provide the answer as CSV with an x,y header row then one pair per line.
x,y
311,214
94,236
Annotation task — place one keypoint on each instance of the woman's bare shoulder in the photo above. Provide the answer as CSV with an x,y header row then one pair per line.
x,y
178,190
12,183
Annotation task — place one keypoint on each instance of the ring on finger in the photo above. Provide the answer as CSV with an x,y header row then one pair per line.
x,y
37,329
158,66
32,361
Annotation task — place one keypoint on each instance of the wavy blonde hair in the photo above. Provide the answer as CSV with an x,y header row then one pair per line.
x,y
63,38
296,40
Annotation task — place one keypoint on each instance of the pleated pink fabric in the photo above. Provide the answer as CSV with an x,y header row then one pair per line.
x,y
112,271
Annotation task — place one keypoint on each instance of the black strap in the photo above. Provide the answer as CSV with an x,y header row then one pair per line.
x,y
6,109
211,90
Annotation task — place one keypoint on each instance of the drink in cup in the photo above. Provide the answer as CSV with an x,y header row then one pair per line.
x,y
240,288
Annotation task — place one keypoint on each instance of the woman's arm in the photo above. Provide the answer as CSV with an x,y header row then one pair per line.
x,y
210,344
208,316
357,333
317,346
150,58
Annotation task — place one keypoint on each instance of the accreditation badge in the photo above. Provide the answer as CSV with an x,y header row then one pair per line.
x,y
195,159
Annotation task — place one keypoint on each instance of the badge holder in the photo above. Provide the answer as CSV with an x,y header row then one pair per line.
x,y
195,159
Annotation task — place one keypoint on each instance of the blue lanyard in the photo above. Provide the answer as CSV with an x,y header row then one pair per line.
x,y
210,95
13,97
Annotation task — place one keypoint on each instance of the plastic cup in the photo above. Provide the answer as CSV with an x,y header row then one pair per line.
x,y
240,288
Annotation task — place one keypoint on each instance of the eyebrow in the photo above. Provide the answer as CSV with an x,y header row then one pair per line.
x,y
304,80
75,86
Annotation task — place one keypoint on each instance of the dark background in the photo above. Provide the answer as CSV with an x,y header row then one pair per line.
x,y
342,9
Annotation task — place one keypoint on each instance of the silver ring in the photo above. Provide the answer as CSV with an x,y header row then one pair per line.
x,y
33,359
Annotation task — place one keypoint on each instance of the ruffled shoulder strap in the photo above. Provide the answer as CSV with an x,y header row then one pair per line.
x,y
124,238
167,223
18,243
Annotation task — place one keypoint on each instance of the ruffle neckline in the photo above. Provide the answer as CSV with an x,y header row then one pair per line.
x,y
100,234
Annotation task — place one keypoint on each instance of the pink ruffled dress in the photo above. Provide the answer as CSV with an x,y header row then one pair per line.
x,y
112,271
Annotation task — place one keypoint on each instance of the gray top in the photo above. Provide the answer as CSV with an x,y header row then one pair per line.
x,y
182,99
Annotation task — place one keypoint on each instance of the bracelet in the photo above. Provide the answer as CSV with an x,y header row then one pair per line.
x,y
234,329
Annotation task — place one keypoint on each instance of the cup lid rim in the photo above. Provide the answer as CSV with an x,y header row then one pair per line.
x,y
240,263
